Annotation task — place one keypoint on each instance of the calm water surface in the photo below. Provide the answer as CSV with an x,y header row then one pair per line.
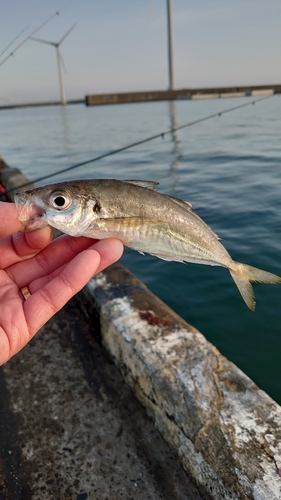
x,y
229,168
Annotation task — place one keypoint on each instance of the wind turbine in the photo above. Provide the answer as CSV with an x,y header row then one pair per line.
x,y
60,61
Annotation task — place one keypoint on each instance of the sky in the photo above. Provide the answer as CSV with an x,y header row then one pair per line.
x,y
121,45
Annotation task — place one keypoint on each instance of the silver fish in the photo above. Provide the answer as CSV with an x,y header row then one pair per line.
x,y
142,218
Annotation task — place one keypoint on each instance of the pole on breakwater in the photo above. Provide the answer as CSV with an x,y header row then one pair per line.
x,y
170,46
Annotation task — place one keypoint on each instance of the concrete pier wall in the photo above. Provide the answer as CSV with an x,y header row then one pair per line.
x,y
186,93
224,430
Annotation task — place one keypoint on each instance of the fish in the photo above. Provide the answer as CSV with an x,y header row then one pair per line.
x,y
141,217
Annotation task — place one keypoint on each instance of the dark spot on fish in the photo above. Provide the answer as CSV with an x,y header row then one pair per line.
x,y
96,207
151,318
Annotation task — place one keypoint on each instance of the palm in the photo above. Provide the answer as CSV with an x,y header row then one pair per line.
x,y
13,327
54,273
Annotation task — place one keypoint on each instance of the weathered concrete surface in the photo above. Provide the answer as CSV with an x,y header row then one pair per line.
x,y
71,428
225,430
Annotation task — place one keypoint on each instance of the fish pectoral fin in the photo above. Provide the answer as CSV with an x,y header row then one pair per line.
x,y
144,184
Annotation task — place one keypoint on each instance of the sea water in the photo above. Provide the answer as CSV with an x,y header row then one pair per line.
x,y
227,167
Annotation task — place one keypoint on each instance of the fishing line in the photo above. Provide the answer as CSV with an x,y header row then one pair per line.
x,y
143,141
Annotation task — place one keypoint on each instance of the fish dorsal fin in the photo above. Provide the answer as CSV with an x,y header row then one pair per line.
x,y
185,204
144,184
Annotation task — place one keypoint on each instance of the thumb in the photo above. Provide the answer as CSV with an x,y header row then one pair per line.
x,y
9,219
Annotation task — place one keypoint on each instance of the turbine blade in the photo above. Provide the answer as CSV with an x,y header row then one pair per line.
x,y
66,34
43,41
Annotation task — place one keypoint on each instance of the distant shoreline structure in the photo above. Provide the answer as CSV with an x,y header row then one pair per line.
x,y
39,104
161,95
186,93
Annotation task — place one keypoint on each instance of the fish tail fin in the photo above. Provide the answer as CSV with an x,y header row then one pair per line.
x,y
243,274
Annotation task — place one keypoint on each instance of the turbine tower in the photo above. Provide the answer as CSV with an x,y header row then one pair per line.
x,y
60,62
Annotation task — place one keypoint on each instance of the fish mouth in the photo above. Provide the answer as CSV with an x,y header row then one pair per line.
x,y
30,214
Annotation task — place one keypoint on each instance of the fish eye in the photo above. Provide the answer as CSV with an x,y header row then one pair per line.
x,y
60,200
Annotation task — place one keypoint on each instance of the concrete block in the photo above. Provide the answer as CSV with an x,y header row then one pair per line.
x,y
225,430
71,429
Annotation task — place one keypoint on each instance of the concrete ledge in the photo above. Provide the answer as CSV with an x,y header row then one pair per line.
x,y
225,430
12,179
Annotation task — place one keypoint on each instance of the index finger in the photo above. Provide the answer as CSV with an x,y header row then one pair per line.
x,y
49,299
23,246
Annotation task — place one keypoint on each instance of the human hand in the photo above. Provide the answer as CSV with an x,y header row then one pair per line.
x,y
53,272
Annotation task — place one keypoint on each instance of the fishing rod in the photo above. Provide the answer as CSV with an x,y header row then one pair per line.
x,y
143,141
13,41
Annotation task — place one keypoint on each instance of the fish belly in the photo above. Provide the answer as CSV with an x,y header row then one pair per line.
x,y
162,240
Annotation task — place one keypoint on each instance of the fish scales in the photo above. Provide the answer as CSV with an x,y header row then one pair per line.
x,y
129,202
143,219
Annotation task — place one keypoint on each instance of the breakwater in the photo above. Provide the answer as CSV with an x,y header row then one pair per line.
x,y
186,93
158,95
39,104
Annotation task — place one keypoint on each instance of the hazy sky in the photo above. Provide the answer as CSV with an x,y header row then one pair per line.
x,y
121,45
